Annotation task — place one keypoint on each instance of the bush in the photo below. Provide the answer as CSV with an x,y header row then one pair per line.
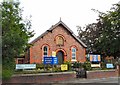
x,y
8,68
77,65
57,69
87,66
103,65
39,66
6,74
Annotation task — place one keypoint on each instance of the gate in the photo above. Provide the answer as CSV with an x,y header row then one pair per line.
x,y
81,73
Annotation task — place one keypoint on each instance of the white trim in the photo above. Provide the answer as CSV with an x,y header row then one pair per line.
x,y
73,60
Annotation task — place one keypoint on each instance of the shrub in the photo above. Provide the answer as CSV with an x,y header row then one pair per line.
x,y
87,66
57,69
6,74
103,65
77,65
7,69
39,66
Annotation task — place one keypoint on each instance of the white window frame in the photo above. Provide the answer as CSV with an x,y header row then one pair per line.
x,y
45,51
73,53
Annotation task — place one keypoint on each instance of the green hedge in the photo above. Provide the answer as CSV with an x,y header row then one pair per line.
x,y
87,66
6,74
39,66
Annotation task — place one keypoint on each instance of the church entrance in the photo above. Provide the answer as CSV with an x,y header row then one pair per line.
x,y
60,55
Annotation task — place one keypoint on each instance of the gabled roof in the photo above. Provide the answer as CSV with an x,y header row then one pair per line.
x,y
66,27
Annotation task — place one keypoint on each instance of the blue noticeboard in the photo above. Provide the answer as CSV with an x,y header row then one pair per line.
x,y
50,60
55,60
109,65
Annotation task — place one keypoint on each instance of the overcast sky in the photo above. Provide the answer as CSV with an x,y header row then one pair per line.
x,y
46,13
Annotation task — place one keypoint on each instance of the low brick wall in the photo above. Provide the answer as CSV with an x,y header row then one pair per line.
x,y
118,67
41,78
102,74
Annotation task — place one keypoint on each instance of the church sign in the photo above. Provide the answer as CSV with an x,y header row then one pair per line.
x,y
25,66
51,60
64,67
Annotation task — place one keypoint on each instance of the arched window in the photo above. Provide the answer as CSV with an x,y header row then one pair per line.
x,y
73,53
45,51
59,40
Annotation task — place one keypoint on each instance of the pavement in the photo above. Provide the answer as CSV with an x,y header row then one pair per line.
x,y
101,80
81,81
0,81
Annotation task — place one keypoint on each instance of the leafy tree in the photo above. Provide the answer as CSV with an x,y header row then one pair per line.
x,y
15,35
103,36
89,35
108,42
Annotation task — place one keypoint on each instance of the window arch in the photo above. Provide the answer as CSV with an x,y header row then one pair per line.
x,y
59,40
45,51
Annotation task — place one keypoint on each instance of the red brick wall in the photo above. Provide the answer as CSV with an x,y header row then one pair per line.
x,y
38,78
118,68
102,74
49,39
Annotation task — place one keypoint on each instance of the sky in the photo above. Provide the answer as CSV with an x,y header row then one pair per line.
x,y
46,13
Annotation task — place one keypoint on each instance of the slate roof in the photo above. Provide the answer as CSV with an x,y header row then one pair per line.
x,y
66,27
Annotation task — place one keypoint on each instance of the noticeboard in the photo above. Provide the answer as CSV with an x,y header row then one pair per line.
x,y
109,65
55,60
53,54
95,58
25,66
50,60
64,67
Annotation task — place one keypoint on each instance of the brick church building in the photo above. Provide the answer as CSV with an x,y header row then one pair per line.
x,y
60,39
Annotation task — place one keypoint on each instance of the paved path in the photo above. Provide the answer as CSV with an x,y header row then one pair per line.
x,y
79,81
0,81
102,80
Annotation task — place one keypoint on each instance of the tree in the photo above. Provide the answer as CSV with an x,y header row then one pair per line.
x,y
15,35
110,38
89,36
103,36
